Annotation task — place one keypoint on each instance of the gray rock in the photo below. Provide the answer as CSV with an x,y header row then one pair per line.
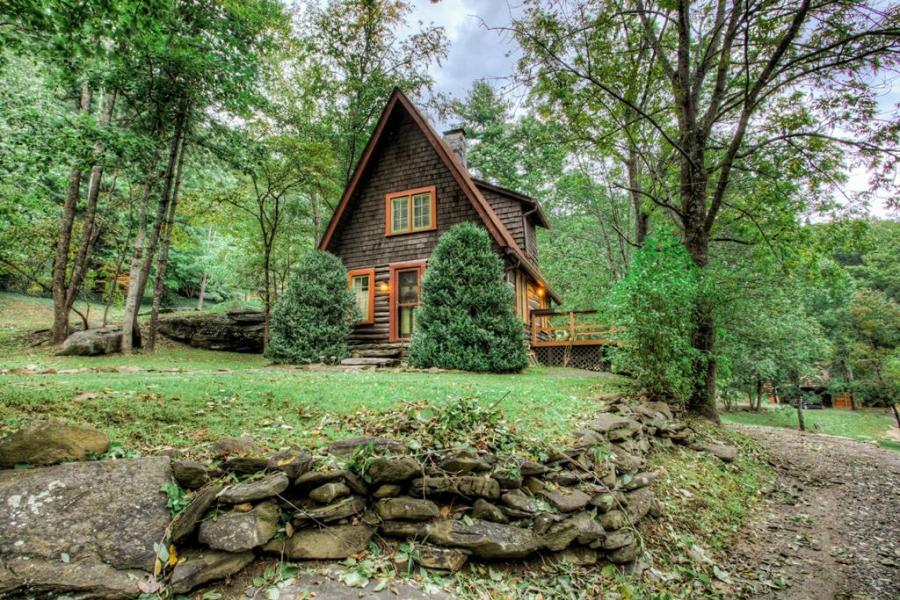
x,y
625,554
638,481
723,452
581,527
607,422
531,468
292,462
234,331
329,492
342,509
329,543
92,342
393,470
441,559
348,446
638,503
233,446
199,567
245,465
259,489
51,442
460,462
614,519
312,479
387,490
483,539
238,531
355,483
188,519
519,500
79,509
468,486
605,502
190,474
406,508
566,499
617,539
484,510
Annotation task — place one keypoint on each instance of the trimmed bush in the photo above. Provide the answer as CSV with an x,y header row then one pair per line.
x,y
466,320
311,321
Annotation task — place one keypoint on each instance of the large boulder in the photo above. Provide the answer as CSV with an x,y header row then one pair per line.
x,y
50,442
94,342
234,331
86,529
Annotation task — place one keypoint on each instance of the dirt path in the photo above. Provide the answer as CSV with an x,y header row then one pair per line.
x,y
831,530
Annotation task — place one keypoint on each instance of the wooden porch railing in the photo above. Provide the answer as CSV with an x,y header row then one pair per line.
x,y
574,332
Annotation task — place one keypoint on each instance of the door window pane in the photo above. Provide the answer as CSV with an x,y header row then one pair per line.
x,y
407,321
409,287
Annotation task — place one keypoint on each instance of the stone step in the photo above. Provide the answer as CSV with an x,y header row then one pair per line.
x,y
378,353
370,362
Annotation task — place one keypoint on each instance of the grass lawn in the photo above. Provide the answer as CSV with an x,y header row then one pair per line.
x,y
865,425
217,394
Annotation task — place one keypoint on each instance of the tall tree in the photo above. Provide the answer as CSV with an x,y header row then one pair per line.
x,y
737,81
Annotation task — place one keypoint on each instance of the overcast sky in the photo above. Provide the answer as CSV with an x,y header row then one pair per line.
x,y
479,53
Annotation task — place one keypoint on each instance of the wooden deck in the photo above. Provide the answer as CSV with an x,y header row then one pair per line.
x,y
573,328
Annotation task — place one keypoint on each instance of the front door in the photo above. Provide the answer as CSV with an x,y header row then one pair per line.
x,y
406,292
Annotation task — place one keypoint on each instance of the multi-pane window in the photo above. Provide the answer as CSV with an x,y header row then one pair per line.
x,y
411,211
362,284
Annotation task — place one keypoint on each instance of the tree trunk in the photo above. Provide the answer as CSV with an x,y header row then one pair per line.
x,y
132,301
202,292
801,424
162,263
641,217
136,293
90,232
267,291
896,414
60,329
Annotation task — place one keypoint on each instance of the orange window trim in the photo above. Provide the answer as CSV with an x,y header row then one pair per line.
x,y
395,268
370,273
388,213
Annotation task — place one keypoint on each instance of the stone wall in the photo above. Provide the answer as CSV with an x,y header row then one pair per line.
x,y
581,504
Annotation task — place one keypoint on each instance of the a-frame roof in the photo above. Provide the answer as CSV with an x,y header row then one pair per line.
x,y
399,101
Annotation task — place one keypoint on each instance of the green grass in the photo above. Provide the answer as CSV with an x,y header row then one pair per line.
x,y
193,396
866,425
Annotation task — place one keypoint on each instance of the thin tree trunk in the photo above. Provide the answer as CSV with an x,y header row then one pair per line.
x,y
162,263
204,276
136,293
137,258
90,232
60,329
267,291
202,292
801,424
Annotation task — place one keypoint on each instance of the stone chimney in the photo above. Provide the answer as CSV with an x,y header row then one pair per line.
x,y
456,139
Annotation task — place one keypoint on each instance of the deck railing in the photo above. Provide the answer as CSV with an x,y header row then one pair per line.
x,y
578,328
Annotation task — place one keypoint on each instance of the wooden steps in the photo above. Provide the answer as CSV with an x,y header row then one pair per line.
x,y
371,361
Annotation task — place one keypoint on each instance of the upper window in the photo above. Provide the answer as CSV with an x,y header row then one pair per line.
x,y
362,284
410,211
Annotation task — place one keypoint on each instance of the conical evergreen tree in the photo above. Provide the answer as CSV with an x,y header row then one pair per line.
x,y
311,321
466,320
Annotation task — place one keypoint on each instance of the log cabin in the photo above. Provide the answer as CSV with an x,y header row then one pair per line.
x,y
409,187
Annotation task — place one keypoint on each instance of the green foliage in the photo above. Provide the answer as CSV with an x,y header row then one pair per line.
x,y
312,319
653,309
466,320
176,498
